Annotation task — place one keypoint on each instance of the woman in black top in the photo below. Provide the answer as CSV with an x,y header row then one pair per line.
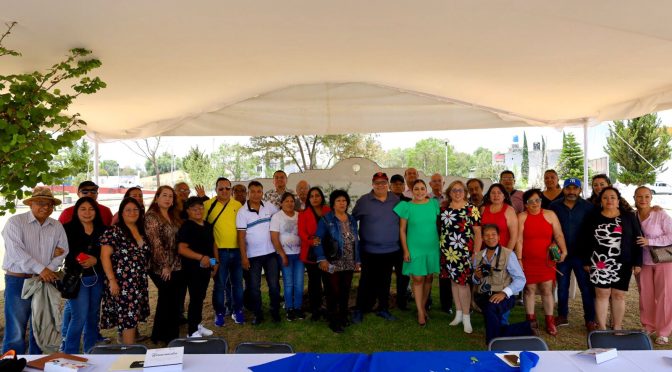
x,y
196,245
83,312
613,255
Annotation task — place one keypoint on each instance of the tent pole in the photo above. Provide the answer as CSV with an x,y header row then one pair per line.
x,y
585,154
96,154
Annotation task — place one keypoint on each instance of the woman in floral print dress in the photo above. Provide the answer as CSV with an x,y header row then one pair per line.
x,y
125,258
460,239
613,255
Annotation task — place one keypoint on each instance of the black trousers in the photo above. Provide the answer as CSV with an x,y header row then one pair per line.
x,y
446,294
166,325
402,280
196,281
338,295
318,283
375,280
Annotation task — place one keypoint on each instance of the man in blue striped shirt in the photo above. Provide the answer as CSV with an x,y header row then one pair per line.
x,y
35,245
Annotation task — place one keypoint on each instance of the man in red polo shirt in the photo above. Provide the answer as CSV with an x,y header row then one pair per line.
x,y
90,189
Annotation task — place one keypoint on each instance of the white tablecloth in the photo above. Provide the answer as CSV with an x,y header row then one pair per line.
x,y
549,361
192,362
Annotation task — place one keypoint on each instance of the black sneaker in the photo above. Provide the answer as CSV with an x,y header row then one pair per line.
x,y
300,314
291,315
315,317
275,317
257,320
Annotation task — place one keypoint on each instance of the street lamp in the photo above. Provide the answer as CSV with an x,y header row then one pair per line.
x,y
446,158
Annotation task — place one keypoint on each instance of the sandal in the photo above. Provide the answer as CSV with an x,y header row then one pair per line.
x,y
662,340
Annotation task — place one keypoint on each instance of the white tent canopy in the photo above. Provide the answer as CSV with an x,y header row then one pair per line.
x,y
218,67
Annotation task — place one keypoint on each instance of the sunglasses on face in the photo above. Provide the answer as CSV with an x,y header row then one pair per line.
x,y
224,188
87,192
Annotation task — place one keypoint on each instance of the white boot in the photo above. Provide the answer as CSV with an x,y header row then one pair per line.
x,y
458,318
466,322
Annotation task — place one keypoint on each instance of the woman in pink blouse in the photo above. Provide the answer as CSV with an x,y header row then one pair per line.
x,y
655,280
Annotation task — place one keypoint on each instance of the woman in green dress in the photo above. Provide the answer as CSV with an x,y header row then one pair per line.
x,y
420,242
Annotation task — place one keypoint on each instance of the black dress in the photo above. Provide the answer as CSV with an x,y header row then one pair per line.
x,y
613,250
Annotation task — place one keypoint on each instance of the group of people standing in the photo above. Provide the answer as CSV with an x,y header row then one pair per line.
x,y
485,248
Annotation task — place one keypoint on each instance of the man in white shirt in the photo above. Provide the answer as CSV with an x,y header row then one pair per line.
x,y
257,252
35,245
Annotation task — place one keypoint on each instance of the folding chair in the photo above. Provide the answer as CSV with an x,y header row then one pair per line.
x,y
520,343
264,348
621,340
118,349
201,345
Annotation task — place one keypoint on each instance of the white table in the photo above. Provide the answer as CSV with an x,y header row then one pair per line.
x,y
192,362
549,361
627,361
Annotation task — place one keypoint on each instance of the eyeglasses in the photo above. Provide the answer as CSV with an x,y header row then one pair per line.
x,y
87,192
457,191
133,210
380,183
224,188
533,201
183,190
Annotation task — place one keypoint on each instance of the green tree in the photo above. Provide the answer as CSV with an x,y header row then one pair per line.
x,y
428,155
235,161
525,167
34,120
74,160
570,161
640,146
164,164
110,166
313,151
484,166
198,165
395,158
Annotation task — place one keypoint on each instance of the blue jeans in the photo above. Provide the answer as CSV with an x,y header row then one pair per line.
x,y
492,315
231,269
84,315
269,263
292,280
17,318
575,264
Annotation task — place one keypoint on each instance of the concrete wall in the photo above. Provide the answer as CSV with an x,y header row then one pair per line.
x,y
352,174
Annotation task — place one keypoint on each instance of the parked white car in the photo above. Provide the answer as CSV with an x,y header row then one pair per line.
x,y
661,188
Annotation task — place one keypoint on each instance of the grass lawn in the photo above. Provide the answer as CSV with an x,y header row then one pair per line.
x,y
376,334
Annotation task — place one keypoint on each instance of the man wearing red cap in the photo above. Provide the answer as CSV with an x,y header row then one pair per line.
x,y
379,248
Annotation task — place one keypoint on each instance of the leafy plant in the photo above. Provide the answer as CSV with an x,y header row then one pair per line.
x,y
34,125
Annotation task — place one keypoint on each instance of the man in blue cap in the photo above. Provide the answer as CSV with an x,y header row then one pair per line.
x,y
572,212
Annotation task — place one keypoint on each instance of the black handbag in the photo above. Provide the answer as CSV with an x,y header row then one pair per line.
x,y
330,248
71,281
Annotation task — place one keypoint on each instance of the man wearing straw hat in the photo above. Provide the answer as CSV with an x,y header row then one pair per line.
x,y
35,245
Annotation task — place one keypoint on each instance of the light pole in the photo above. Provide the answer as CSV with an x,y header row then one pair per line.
x,y
446,158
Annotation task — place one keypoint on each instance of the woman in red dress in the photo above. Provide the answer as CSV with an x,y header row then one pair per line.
x,y
537,229
497,210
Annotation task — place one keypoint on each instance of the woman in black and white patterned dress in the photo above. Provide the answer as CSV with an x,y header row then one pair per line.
x,y
612,255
